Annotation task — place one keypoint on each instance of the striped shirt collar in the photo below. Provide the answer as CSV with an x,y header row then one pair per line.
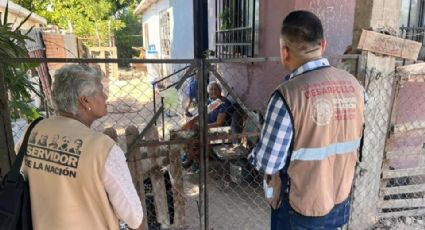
x,y
311,65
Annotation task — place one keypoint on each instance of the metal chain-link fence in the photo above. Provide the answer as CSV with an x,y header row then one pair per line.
x,y
153,116
236,197
402,188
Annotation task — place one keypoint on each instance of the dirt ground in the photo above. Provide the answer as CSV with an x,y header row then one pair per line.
x,y
231,206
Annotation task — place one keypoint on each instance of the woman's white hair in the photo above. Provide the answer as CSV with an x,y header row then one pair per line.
x,y
213,83
73,81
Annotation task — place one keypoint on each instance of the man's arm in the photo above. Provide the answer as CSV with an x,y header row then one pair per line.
x,y
270,153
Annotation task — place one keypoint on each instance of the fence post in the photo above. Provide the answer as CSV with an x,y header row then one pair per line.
x,y
178,189
7,153
379,79
203,143
136,171
158,183
112,133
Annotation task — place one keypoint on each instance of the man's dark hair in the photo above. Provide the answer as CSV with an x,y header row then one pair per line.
x,y
302,26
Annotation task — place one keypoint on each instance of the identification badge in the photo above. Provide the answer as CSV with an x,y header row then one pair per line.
x,y
268,191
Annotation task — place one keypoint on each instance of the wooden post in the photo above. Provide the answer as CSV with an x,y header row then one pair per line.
x,y
112,133
7,153
378,74
178,189
158,182
134,164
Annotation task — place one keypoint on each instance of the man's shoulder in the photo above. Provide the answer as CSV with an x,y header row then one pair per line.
x,y
278,89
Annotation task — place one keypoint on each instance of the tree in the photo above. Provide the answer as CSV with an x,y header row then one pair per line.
x,y
85,18
95,18
130,35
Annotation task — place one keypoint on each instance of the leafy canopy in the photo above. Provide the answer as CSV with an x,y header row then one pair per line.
x,y
130,36
87,17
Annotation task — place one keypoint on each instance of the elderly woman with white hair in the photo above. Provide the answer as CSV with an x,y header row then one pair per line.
x,y
220,116
219,109
88,189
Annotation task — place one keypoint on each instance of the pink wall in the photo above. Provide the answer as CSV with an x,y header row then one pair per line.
x,y
337,18
253,82
272,13
256,81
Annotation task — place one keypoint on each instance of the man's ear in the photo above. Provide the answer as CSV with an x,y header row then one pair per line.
x,y
84,102
323,45
284,54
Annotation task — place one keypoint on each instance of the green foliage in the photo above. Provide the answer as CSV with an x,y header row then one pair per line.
x,y
96,19
87,18
17,82
19,89
129,36
226,22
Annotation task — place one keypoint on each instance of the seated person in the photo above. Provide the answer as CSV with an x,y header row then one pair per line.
x,y
217,117
221,116
219,109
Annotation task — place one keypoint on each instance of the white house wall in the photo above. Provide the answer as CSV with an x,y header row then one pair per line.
x,y
211,24
182,29
151,17
181,32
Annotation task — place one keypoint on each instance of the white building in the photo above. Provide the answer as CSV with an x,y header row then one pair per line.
x,y
167,33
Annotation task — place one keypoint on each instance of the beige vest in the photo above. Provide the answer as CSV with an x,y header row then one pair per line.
x,y
327,109
64,165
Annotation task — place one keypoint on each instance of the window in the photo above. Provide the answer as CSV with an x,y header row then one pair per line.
x,y
413,22
164,24
235,28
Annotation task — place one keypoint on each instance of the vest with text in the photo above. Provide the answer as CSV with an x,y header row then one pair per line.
x,y
64,165
327,106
